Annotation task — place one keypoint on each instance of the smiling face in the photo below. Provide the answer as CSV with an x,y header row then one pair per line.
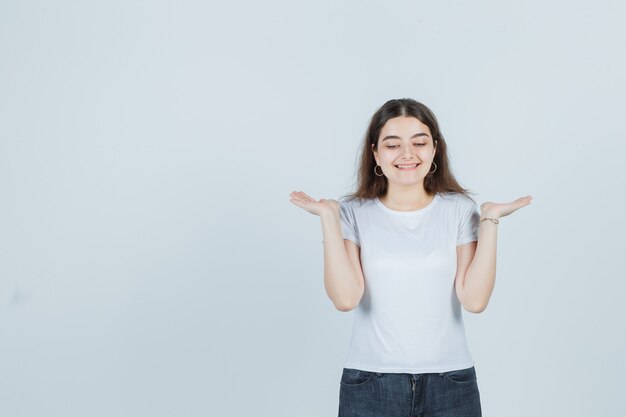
x,y
404,142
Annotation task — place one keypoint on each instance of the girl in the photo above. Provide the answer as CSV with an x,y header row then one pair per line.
x,y
406,251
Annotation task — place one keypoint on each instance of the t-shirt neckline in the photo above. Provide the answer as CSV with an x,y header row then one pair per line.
x,y
408,213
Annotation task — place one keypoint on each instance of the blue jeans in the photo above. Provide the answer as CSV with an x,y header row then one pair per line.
x,y
442,394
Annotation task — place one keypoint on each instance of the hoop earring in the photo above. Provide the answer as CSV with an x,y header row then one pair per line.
x,y
381,170
435,168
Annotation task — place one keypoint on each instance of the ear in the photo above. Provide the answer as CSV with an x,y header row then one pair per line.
x,y
375,154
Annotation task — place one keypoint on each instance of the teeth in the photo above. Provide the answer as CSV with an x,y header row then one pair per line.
x,y
407,166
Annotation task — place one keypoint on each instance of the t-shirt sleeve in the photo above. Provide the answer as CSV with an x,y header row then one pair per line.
x,y
468,224
348,222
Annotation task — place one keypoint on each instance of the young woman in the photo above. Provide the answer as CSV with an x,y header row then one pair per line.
x,y
407,250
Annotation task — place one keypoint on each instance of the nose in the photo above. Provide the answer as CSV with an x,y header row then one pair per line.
x,y
408,152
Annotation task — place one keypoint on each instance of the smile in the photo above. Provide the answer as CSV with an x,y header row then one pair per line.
x,y
406,167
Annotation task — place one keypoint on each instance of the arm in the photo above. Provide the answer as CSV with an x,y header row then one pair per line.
x,y
478,259
343,280
475,286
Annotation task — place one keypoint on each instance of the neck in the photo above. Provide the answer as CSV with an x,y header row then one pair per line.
x,y
407,198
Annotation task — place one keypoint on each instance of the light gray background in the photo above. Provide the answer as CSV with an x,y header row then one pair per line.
x,y
152,265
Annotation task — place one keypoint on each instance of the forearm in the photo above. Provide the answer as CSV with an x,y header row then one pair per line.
x,y
481,274
340,279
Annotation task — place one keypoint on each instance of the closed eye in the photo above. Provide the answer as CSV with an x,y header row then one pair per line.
x,y
395,146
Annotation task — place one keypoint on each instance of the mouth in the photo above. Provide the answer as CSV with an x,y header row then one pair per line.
x,y
406,167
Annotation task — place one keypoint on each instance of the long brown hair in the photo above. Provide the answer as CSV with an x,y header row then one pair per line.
x,y
370,185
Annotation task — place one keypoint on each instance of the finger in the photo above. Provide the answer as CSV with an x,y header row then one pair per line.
x,y
299,202
522,201
302,202
305,196
519,203
299,194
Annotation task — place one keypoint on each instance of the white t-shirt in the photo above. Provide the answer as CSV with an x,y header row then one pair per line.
x,y
409,319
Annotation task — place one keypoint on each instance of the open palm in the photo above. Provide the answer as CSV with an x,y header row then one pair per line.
x,y
498,210
313,206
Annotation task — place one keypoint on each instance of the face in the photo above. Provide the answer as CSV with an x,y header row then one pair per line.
x,y
405,141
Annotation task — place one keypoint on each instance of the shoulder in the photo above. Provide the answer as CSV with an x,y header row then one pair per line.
x,y
458,200
352,202
456,197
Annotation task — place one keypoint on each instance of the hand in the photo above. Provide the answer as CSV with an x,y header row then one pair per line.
x,y
300,199
498,210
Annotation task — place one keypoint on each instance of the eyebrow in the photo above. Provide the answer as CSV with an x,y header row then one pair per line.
x,y
398,137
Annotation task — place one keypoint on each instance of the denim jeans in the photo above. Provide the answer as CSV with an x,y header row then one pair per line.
x,y
442,394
